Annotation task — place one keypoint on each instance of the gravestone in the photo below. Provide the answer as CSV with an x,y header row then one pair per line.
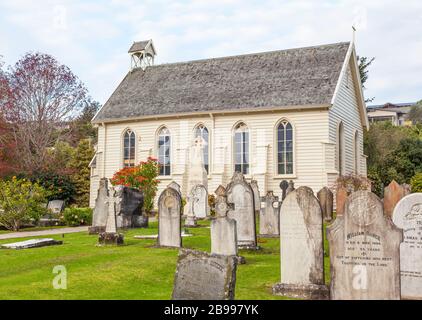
x,y
364,251
407,188
190,220
283,186
110,235
407,215
56,206
301,247
32,243
99,216
256,195
197,175
326,198
240,193
341,197
290,187
129,205
223,229
197,172
392,195
203,276
175,186
200,201
269,219
169,214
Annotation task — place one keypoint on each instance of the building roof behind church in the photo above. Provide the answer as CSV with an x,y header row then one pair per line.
x,y
276,79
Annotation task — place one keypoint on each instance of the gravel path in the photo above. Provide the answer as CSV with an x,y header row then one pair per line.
x,y
25,234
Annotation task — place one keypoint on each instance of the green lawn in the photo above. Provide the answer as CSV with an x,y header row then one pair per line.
x,y
136,270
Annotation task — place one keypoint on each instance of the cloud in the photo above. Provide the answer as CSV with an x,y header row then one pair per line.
x,y
92,37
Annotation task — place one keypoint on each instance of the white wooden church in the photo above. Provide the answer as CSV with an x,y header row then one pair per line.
x,y
296,114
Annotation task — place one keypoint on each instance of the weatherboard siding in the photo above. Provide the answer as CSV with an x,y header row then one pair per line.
x,y
345,109
311,132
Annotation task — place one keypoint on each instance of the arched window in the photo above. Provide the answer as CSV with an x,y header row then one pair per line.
x,y
285,148
164,149
241,148
357,152
340,149
202,131
129,148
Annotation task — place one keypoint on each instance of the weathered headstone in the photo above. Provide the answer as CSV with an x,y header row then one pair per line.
x,y
392,195
200,201
326,198
301,247
203,276
100,212
197,172
407,188
223,229
56,206
283,186
239,193
197,175
110,235
341,197
175,186
190,219
290,187
169,212
256,196
32,243
364,251
269,219
407,215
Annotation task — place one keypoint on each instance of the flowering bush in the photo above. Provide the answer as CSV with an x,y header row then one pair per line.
x,y
142,177
20,202
77,216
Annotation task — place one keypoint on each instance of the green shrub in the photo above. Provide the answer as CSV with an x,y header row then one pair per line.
x,y
21,202
416,182
59,187
77,216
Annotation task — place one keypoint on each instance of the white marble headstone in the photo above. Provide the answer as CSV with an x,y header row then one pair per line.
x,y
241,195
169,212
200,201
407,215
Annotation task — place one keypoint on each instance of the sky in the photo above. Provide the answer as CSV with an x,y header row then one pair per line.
x,y
93,37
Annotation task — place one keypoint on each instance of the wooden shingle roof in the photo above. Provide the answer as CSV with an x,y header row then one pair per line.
x,y
294,77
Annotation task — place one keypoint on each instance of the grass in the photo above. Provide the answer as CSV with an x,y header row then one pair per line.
x,y
135,270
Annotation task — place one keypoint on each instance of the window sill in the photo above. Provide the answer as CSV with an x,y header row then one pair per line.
x,y
165,178
285,176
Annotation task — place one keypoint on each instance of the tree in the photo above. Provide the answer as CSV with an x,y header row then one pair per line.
x,y
364,63
21,202
81,172
6,144
393,153
43,96
415,113
81,127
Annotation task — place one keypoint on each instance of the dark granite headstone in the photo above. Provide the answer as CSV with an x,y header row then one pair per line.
x,y
283,186
129,208
203,276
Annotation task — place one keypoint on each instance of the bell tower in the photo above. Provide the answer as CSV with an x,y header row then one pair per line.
x,y
142,54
